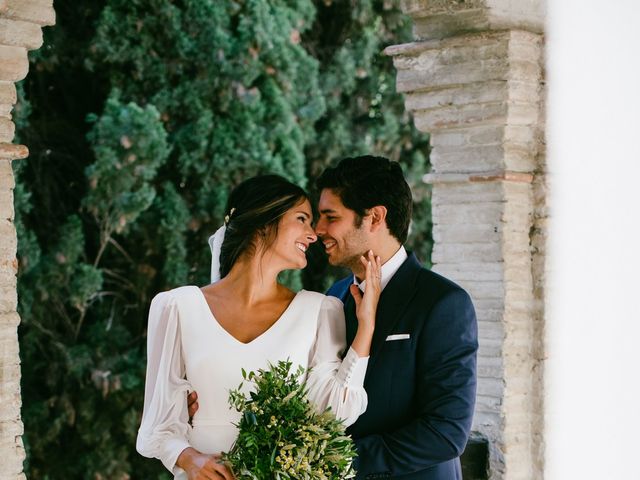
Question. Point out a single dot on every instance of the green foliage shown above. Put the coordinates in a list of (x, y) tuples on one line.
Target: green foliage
[(140, 116), (281, 435)]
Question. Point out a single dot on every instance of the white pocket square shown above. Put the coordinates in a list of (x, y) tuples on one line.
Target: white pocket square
[(398, 336)]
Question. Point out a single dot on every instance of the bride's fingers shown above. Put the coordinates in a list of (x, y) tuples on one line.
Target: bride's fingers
[(364, 261), (223, 471), (356, 294), (373, 270)]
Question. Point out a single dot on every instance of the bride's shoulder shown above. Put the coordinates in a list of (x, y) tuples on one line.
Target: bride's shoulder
[(176, 295), (326, 302)]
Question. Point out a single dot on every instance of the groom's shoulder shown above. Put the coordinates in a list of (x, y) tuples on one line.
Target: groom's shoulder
[(339, 288), (433, 284)]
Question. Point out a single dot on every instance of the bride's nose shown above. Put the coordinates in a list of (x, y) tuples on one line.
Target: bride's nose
[(311, 236)]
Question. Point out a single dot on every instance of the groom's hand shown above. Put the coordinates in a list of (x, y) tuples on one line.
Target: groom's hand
[(192, 404)]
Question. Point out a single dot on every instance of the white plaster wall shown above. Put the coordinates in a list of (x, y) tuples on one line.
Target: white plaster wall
[(593, 322)]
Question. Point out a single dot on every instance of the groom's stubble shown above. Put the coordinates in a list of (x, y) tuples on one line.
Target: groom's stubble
[(351, 248)]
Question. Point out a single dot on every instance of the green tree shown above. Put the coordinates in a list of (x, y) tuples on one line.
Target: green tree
[(140, 115)]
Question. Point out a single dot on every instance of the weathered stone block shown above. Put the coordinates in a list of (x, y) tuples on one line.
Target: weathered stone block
[(488, 330), (471, 271), (484, 289), (20, 34), (8, 299), (466, 252), (466, 193), (7, 180), (434, 76), (7, 131), (490, 367), (40, 12), (485, 414), (466, 233), (6, 204), (9, 320), (470, 93), (478, 213), (523, 114), (461, 116), (14, 64), (444, 18), (491, 387), (489, 315), (490, 348), (474, 158), (8, 94), (10, 151)]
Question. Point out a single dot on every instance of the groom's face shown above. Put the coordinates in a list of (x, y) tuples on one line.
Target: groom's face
[(341, 231)]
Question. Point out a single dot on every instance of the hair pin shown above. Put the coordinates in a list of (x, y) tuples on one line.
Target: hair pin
[(227, 218)]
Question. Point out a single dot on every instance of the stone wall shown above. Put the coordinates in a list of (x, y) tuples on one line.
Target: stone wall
[(20, 31), (474, 80)]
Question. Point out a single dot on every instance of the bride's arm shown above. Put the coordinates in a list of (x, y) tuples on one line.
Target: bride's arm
[(337, 383), (163, 430)]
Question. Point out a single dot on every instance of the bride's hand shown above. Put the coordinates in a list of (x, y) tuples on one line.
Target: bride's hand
[(367, 304), (202, 466)]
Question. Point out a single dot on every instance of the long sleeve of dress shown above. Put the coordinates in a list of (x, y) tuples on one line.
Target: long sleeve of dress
[(335, 382), (163, 431)]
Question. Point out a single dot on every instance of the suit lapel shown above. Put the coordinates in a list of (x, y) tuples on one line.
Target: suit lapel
[(394, 300)]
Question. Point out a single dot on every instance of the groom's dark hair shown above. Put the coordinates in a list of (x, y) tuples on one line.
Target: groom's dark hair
[(253, 212), (366, 181)]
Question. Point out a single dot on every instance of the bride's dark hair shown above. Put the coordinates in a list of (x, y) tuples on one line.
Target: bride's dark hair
[(254, 210)]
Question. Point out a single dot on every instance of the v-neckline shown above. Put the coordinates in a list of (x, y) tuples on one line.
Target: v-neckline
[(234, 339)]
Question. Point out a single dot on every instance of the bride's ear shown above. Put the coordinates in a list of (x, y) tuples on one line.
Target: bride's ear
[(260, 238)]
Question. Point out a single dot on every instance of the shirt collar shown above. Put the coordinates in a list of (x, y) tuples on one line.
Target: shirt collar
[(388, 270)]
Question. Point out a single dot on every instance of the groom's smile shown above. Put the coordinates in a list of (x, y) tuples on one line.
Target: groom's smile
[(343, 239), (328, 245)]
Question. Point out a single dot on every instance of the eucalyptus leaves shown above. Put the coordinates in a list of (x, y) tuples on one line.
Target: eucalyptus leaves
[(282, 436)]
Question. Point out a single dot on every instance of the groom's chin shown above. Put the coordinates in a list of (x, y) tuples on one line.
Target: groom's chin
[(333, 260)]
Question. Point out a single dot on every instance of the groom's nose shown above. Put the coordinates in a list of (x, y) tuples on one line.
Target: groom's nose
[(320, 228)]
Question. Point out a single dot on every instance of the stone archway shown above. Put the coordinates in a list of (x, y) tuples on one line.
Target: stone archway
[(474, 80), (21, 23)]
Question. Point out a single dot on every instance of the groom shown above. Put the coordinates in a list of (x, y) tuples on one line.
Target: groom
[(421, 378)]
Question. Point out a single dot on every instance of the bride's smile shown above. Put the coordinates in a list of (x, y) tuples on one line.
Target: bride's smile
[(294, 235)]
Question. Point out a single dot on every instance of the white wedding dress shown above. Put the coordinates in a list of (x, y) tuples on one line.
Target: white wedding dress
[(188, 350)]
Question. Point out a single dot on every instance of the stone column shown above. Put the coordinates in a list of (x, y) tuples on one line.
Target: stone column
[(473, 79), (20, 31)]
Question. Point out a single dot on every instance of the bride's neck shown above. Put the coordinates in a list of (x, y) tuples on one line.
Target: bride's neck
[(252, 280)]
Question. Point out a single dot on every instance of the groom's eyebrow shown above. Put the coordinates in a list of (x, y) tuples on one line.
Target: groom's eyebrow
[(327, 210)]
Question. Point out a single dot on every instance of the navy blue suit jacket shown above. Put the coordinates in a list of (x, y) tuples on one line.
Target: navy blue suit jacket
[(421, 390)]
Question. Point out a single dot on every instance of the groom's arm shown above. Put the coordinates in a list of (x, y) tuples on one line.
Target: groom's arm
[(445, 393)]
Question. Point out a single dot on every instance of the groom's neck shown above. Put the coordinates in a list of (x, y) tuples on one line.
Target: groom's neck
[(384, 249)]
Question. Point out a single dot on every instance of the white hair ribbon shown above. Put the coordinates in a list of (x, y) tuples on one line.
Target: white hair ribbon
[(215, 242)]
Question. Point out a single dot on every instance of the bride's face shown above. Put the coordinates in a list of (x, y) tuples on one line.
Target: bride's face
[(295, 234)]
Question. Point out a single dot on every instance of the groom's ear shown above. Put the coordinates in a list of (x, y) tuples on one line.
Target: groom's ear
[(378, 216)]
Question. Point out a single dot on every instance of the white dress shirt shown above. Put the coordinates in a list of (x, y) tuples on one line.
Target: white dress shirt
[(388, 270)]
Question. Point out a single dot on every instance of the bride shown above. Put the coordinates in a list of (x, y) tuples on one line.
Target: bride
[(199, 339)]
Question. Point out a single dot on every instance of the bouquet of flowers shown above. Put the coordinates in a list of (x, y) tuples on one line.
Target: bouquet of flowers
[(282, 436)]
